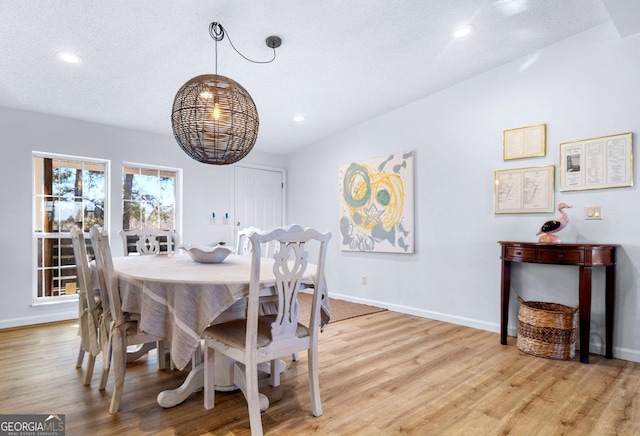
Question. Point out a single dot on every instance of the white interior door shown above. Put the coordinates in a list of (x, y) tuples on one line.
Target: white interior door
[(258, 198)]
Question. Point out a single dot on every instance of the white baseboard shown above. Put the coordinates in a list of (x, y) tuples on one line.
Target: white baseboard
[(468, 322), (39, 319)]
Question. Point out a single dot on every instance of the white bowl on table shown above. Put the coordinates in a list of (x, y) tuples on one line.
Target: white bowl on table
[(203, 254)]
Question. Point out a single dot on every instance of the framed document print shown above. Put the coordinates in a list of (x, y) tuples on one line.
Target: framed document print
[(524, 190), (524, 142), (596, 163)]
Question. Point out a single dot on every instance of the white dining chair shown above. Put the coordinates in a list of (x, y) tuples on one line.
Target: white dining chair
[(148, 241), (242, 240), (243, 248), (123, 329), (266, 338), (89, 303)]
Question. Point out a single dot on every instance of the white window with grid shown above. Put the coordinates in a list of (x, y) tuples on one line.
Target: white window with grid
[(67, 191), (149, 197)]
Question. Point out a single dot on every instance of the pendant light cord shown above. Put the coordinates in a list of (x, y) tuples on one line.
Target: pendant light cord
[(217, 32)]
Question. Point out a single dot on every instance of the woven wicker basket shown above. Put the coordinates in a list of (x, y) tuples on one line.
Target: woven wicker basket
[(547, 329)]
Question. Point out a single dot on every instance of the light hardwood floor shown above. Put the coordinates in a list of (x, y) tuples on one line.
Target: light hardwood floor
[(381, 374)]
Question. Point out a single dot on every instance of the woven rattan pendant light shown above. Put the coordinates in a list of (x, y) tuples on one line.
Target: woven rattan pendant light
[(214, 119)]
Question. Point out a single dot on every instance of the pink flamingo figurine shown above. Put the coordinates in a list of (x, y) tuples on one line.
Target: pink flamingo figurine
[(554, 226)]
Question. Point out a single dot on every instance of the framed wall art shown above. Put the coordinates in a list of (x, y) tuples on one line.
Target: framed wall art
[(597, 163), (530, 141), (376, 204), (524, 190)]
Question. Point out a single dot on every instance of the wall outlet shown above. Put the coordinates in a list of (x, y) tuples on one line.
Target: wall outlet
[(364, 280)]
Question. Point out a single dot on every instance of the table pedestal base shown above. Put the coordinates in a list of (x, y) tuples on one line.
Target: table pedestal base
[(228, 378)]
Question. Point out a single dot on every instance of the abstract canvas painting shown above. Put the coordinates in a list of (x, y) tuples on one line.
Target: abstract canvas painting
[(376, 204)]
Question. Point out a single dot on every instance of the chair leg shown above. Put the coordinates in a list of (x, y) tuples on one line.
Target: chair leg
[(314, 382), (105, 369), (253, 398), (89, 374), (80, 357), (115, 398), (209, 376), (275, 373), (119, 367), (103, 379), (295, 357), (197, 357), (161, 356)]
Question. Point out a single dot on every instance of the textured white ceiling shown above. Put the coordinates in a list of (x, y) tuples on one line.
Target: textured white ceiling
[(340, 63)]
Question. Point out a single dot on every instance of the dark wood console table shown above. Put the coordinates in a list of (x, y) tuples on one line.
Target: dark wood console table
[(584, 256)]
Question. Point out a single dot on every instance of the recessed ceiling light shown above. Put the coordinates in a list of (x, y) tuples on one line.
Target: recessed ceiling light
[(509, 8), (298, 118), (462, 31), (69, 57)]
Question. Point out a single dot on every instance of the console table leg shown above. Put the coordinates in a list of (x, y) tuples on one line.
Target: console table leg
[(610, 287), (584, 303), (504, 300)]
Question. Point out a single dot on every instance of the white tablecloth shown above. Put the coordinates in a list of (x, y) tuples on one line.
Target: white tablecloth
[(178, 298)]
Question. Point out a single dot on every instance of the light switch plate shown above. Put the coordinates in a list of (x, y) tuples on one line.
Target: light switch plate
[(593, 212)]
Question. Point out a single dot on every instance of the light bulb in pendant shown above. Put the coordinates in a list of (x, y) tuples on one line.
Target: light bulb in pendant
[(217, 112)]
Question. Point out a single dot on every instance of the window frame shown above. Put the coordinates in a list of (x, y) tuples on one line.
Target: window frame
[(178, 189), (40, 235)]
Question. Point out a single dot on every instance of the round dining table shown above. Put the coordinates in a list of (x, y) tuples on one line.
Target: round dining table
[(177, 298)]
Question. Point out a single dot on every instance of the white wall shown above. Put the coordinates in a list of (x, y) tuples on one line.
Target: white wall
[(586, 86), (206, 188)]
